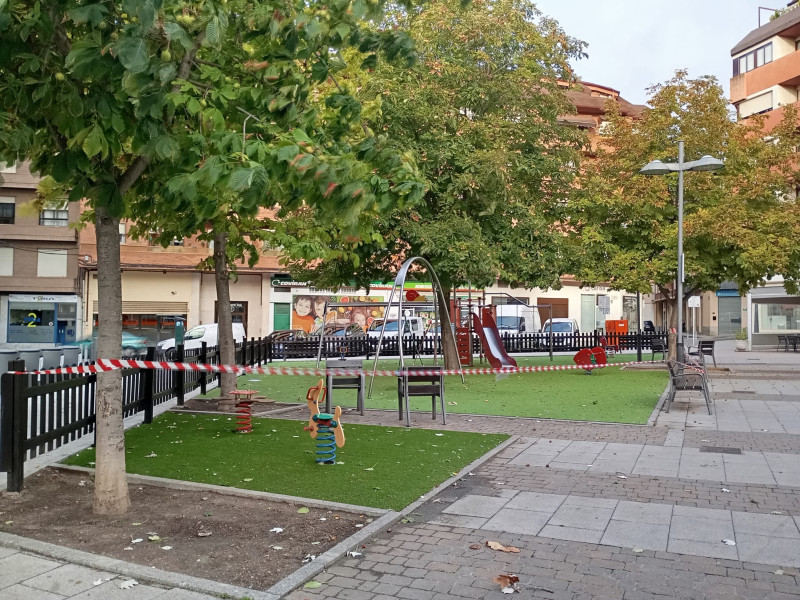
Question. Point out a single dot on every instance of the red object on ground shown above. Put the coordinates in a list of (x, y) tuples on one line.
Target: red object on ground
[(583, 357), (600, 357), (244, 413)]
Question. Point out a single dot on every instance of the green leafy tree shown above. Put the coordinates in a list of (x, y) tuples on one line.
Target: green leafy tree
[(740, 224), (480, 112), (181, 113)]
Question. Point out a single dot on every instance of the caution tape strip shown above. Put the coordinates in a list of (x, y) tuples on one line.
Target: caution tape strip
[(107, 364)]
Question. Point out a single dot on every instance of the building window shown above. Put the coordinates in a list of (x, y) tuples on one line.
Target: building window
[(7, 210), (752, 60), (52, 263), (122, 234), (6, 261), (238, 312), (55, 215)]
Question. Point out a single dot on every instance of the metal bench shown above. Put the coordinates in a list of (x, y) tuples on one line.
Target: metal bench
[(345, 382), (410, 385), (658, 346), (683, 379)]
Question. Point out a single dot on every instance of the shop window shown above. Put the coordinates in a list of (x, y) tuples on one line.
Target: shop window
[(238, 312), (52, 263), (6, 261), (777, 318), (31, 322), (7, 210)]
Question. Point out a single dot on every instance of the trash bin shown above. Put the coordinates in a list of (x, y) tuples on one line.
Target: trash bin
[(31, 358), (71, 354), (6, 356), (51, 358)]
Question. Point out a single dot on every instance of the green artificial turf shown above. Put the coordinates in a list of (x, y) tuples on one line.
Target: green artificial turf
[(382, 467), (609, 395)]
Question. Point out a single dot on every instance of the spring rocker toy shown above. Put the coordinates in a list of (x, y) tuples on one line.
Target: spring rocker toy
[(326, 428), (595, 356)]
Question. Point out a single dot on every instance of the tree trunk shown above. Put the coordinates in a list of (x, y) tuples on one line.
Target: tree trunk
[(449, 350), (227, 348), (672, 322), (111, 484)]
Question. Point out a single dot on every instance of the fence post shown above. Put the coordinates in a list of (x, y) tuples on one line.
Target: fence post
[(180, 378), (15, 401), (148, 380), (203, 360), (252, 351), (639, 345)]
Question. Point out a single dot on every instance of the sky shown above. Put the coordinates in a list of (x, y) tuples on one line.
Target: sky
[(633, 44)]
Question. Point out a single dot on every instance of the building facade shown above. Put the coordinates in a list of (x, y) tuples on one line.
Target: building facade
[(40, 304), (766, 79)]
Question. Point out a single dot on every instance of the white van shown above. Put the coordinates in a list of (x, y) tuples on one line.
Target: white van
[(411, 326), (194, 338), (517, 318)]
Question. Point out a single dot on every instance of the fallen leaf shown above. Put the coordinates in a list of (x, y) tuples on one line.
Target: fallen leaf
[(622, 476), (778, 572), (9, 523), (507, 581), (729, 542), (151, 455), (312, 585), (81, 483), (776, 512), (97, 582), (315, 543), (277, 547), (166, 547), (128, 548), (638, 550), (276, 530), (248, 479), (354, 554), (126, 585), (438, 434), (303, 510), (154, 538), (499, 546), (309, 558), (203, 533), (406, 520), (475, 546), (726, 491), (135, 524), (136, 541)]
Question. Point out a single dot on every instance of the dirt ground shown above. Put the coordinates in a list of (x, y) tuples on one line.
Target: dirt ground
[(199, 533)]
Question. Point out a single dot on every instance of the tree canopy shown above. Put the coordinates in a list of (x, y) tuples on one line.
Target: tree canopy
[(740, 224), (190, 115), (480, 113)]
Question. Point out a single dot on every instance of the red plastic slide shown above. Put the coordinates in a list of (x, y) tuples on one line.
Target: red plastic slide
[(492, 343)]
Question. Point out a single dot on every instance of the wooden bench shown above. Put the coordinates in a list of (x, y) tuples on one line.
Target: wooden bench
[(345, 382), (410, 385)]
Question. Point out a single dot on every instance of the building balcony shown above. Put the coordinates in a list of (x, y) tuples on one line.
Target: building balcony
[(782, 71)]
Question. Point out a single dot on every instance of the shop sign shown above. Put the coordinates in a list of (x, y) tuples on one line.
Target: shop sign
[(42, 298), (287, 282)]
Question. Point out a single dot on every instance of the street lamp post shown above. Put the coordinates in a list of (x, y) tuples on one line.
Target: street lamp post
[(656, 167)]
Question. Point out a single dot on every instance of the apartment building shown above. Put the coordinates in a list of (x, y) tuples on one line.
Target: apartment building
[(40, 303), (766, 79), (161, 286)]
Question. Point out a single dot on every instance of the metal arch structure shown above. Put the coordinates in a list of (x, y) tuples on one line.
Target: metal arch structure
[(399, 282)]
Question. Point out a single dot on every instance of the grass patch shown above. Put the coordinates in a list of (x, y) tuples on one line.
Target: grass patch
[(383, 467), (609, 395)]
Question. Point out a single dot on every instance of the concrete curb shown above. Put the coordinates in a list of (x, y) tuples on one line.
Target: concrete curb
[(132, 570), (178, 484)]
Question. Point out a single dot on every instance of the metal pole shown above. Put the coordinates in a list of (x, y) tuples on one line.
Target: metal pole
[(639, 326), (679, 339)]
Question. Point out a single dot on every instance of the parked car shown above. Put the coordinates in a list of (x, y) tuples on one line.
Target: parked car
[(133, 345), (280, 336), (648, 326), (194, 338), (563, 330), (411, 326)]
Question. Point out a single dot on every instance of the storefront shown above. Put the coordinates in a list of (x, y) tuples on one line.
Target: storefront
[(772, 312), (42, 319)]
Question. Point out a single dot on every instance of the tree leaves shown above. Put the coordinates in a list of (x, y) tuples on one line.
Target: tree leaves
[(133, 54)]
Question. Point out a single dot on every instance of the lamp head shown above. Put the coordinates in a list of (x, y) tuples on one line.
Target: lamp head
[(656, 167), (707, 163)]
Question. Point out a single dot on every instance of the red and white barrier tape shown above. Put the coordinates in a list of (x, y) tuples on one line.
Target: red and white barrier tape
[(105, 364)]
